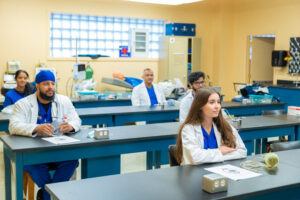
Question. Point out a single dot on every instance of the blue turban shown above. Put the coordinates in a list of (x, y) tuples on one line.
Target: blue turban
[(44, 75)]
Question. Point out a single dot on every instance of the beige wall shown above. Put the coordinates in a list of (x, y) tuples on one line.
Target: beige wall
[(24, 34), (223, 40), (234, 21), (224, 26), (257, 17)]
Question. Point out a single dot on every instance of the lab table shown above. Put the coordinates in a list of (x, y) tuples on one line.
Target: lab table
[(255, 128), (286, 93), (127, 114), (119, 115), (100, 103), (4, 121), (102, 157), (103, 102), (185, 182), (239, 109), (99, 157)]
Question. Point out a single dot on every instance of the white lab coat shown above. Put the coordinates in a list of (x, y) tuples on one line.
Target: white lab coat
[(140, 96), (193, 152), (185, 105), (24, 117)]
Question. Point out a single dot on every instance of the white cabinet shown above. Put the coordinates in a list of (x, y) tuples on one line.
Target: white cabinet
[(179, 56), (139, 43)]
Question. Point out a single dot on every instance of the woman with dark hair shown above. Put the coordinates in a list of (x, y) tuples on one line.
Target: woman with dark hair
[(206, 136), (22, 90)]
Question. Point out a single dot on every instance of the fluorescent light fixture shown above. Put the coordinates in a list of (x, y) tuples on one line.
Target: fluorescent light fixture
[(166, 2)]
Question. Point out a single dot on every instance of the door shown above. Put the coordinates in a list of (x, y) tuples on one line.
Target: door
[(178, 58), (261, 58)]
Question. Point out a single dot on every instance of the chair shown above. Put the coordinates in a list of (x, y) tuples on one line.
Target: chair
[(28, 184), (172, 158), (273, 112), (283, 146)]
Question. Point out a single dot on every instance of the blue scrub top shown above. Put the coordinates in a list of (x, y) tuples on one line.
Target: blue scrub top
[(209, 141), (12, 96), (152, 95), (43, 116)]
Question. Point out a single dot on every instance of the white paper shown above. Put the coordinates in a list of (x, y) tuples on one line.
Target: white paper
[(233, 172), (60, 139)]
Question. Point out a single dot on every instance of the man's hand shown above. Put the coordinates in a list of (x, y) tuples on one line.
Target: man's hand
[(65, 127), (44, 129), (225, 149)]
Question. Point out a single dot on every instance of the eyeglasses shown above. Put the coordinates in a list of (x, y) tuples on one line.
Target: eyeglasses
[(199, 82)]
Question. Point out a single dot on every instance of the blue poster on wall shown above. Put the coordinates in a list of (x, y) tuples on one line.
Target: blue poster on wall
[(124, 52)]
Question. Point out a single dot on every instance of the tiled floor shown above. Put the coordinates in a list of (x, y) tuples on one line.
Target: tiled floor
[(129, 163)]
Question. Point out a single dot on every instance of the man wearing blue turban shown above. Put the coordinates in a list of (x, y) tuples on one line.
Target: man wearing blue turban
[(34, 116)]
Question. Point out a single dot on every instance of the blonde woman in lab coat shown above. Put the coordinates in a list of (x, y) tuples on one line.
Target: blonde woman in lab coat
[(205, 136), (147, 93)]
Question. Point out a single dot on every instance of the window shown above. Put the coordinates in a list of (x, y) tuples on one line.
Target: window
[(98, 34)]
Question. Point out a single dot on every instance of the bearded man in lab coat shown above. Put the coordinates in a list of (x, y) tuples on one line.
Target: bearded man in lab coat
[(196, 80), (147, 93), (33, 116)]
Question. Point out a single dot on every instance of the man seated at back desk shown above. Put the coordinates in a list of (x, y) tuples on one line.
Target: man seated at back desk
[(196, 80), (147, 93), (33, 115)]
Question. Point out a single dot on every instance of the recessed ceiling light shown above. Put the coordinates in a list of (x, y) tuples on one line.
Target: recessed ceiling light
[(166, 2)]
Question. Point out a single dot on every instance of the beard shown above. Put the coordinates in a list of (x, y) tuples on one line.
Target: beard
[(46, 97), (194, 89)]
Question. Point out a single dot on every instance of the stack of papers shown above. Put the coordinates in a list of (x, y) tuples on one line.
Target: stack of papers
[(60, 139), (233, 172)]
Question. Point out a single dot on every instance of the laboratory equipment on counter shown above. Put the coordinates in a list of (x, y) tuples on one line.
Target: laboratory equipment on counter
[(13, 66), (170, 88), (9, 76), (83, 76), (87, 95), (9, 81), (116, 82), (79, 71), (88, 72)]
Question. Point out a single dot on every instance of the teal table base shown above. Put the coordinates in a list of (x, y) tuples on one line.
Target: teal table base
[(253, 109), (284, 193), (102, 103), (120, 120), (4, 125), (94, 120), (290, 96)]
